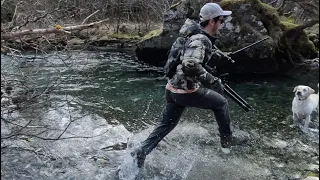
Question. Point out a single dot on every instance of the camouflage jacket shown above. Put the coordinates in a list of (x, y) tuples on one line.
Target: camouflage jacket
[(191, 74)]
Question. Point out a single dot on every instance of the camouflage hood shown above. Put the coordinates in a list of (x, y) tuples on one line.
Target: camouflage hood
[(191, 27)]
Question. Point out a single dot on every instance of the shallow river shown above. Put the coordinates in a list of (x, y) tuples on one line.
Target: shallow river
[(107, 98)]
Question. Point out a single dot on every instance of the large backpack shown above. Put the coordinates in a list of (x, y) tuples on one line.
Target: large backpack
[(177, 49), (173, 61)]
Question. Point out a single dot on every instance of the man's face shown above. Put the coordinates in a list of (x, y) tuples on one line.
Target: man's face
[(216, 25)]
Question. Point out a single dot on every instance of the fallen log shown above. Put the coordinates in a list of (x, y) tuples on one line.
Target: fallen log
[(57, 29)]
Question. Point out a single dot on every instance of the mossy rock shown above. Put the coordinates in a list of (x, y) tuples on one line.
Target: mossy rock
[(152, 33), (312, 174), (312, 37), (275, 25), (306, 46), (285, 25), (250, 21), (265, 13), (174, 6), (125, 36), (76, 41)]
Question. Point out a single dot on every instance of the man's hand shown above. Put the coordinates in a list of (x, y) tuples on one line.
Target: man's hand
[(217, 84), (220, 86), (223, 55), (226, 55)]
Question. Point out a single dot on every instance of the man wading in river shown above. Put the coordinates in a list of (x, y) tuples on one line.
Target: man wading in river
[(183, 88)]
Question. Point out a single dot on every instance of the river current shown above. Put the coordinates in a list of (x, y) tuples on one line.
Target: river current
[(107, 99)]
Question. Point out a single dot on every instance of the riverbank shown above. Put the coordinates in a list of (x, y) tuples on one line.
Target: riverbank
[(104, 36), (108, 37)]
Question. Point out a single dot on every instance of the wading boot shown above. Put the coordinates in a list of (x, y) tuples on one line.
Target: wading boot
[(228, 141), (139, 156)]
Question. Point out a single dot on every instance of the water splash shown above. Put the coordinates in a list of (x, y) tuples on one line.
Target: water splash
[(129, 170), (189, 152)]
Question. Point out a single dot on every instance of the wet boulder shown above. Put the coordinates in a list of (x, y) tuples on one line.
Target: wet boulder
[(252, 20), (153, 48)]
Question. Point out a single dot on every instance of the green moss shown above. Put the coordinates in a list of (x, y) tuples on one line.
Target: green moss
[(312, 174), (151, 34), (268, 14), (307, 47), (124, 36), (227, 3), (174, 6), (289, 19), (270, 18), (269, 9), (275, 24), (312, 37), (257, 3), (285, 25)]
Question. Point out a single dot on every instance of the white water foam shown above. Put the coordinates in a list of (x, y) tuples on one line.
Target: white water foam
[(129, 170)]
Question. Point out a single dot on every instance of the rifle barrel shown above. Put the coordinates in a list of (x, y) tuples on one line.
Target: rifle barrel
[(227, 92), (249, 46), (236, 95)]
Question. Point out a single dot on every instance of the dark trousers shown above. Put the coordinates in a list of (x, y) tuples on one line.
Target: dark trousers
[(175, 105)]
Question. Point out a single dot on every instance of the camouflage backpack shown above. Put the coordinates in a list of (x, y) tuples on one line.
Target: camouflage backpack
[(173, 61)]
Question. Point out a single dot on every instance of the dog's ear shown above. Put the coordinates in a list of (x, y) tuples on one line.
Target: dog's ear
[(310, 90), (295, 89)]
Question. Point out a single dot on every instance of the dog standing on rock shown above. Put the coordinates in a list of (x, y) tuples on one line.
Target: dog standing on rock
[(303, 104)]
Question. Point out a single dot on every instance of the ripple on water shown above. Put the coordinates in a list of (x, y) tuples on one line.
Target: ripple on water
[(116, 98)]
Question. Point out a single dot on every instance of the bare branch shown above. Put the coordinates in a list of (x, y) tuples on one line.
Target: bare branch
[(89, 17), (303, 26), (16, 34), (70, 121), (55, 139), (14, 14), (36, 19), (272, 2)]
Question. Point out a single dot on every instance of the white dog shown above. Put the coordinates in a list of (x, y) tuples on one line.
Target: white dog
[(303, 104)]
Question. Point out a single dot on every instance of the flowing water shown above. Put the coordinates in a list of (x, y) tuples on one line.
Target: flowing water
[(107, 99)]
